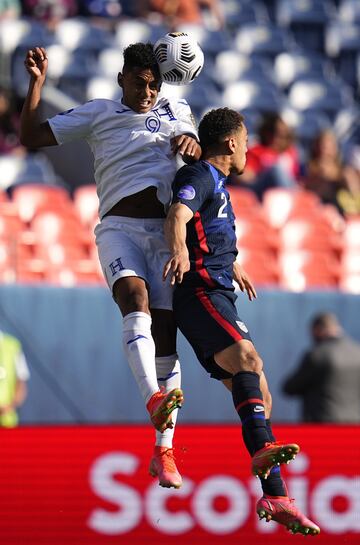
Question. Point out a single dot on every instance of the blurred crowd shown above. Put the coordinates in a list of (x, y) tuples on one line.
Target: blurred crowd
[(276, 157)]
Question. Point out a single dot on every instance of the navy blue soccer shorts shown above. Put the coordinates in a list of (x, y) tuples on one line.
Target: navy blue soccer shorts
[(208, 319)]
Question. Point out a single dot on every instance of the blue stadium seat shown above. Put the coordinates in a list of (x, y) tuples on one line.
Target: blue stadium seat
[(306, 20), (349, 11), (290, 66), (110, 62), (102, 87), (231, 65), (342, 43), (261, 39), (317, 94), (78, 33), (252, 95), (130, 31), (247, 11)]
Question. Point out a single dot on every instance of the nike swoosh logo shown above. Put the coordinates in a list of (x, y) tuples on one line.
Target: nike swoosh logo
[(136, 339), (168, 376), (259, 409)]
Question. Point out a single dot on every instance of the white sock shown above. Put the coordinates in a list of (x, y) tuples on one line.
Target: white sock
[(139, 349), (169, 375)]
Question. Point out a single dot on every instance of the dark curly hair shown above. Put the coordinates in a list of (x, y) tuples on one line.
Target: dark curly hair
[(216, 124), (141, 55)]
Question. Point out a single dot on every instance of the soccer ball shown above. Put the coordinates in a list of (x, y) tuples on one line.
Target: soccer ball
[(179, 57)]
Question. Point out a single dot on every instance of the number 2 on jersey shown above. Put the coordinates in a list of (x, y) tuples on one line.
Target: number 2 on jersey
[(221, 213)]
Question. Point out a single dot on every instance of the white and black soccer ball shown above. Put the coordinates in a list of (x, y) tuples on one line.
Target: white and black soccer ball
[(180, 58)]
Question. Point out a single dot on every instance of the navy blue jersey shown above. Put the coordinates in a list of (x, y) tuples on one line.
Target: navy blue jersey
[(210, 236)]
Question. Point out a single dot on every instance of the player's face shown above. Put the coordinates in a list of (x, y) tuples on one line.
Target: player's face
[(239, 155), (140, 89)]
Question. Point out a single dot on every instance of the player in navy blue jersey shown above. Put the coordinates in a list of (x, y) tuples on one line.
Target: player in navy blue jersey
[(201, 234)]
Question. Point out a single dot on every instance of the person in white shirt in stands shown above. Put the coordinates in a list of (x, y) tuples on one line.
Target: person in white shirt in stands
[(135, 142)]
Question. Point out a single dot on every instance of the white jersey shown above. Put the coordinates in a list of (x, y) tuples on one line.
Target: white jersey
[(131, 150)]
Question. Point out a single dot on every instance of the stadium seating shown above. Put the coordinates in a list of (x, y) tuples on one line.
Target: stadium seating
[(306, 20), (280, 204), (86, 203), (298, 59), (32, 198)]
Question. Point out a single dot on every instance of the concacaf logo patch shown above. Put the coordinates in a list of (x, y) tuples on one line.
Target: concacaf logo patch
[(187, 192)]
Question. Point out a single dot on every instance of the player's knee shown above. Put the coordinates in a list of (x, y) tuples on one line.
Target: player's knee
[(132, 299), (252, 361)]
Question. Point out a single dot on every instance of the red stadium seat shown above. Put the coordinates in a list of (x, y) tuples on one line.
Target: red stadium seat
[(351, 235), (30, 271), (86, 203), (309, 234), (31, 198), (58, 253), (256, 235), (260, 265), (74, 273), (304, 269), (280, 204), (50, 227), (350, 282), (244, 202)]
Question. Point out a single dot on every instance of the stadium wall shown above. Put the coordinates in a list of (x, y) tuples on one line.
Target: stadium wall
[(72, 341)]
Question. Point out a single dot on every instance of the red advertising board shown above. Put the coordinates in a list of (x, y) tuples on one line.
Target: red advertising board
[(74, 485)]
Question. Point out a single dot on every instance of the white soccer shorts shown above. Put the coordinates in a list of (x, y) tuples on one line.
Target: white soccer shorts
[(135, 247)]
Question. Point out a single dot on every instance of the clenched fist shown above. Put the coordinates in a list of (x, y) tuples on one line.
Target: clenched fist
[(36, 62)]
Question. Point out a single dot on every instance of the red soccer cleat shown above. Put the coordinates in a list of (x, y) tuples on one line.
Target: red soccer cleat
[(271, 455), (163, 465), (161, 405), (284, 511)]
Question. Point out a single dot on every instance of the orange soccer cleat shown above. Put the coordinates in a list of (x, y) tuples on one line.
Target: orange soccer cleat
[(163, 465), (271, 455), (161, 405), (284, 511)]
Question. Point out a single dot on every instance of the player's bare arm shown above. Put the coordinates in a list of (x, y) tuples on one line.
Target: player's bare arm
[(33, 133), (243, 281), (187, 146), (175, 232)]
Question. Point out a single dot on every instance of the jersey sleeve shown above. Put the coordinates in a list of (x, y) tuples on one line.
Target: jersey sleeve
[(191, 188), (185, 120), (73, 124)]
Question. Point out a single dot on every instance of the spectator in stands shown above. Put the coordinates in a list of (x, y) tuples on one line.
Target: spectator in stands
[(348, 196), (14, 374), (10, 9), (9, 124), (273, 161), (178, 12), (324, 172), (50, 12), (327, 379)]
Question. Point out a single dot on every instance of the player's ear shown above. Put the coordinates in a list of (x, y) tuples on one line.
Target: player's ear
[(120, 79), (231, 143)]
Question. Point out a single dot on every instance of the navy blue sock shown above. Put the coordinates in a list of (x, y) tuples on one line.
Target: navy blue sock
[(273, 485), (249, 405)]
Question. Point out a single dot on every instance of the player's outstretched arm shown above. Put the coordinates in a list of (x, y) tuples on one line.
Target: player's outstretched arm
[(175, 232), (33, 133)]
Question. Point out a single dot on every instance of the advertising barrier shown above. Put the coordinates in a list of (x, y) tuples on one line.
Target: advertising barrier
[(73, 485)]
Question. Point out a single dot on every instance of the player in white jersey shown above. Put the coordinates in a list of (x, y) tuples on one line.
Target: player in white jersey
[(134, 142)]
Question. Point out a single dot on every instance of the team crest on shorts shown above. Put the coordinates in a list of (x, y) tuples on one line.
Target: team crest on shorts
[(242, 326)]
